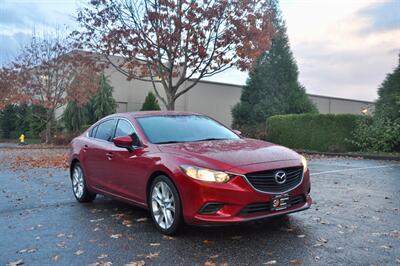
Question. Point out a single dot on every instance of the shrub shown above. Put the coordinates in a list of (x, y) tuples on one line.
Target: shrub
[(318, 132), (379, 135), (150, 103)]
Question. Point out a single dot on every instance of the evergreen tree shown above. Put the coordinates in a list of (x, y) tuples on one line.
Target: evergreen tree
[(150, 103), (103, 103), (8, 121), (75, 117), (388, 104), (272, 87)]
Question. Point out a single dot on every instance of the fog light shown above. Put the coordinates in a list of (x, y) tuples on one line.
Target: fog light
[(211, 208)]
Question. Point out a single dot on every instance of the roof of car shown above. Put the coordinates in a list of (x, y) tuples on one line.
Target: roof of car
[(161, 113)]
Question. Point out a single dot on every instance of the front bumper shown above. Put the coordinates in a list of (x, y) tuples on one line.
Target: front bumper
[(234, 197)]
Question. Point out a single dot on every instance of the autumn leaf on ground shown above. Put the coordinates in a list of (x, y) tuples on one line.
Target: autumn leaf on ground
[(55, 257), (116, 236), (209, 263), (152, 255), (60, 235), (213, 257), (136, 263), (27, 250), (301, 236), (127, 223), (15, 263), (323, 240), (169, 238), (386, 247), (144, 219), (271, 262), (295, 262), (79, 252), (207, 242), (154, 244), (97, 220), (102, 256)]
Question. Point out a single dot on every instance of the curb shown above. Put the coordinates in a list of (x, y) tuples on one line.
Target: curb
[(353, 155)]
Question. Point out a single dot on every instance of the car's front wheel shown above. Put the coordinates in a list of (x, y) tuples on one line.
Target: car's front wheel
[(165, 205), (79, 188)]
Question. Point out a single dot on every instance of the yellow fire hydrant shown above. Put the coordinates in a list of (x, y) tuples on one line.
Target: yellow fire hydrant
[(22, 139)]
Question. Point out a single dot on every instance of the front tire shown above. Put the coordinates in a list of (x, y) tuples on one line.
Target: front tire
[(79, 188), (165, 205)]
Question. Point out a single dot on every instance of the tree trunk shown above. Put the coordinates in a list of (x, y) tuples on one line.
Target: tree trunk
[(170, 101), (49, 123)]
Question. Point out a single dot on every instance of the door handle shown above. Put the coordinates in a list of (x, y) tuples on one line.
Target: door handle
[(109, 155)]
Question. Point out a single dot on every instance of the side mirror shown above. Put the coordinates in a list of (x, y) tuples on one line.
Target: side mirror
[(127, 142), (237, 132)]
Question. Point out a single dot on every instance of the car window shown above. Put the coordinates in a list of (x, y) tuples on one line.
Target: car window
[(105, 130), (183, 128), (124, 128)]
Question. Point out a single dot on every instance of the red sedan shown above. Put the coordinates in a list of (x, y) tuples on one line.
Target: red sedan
[(186, 167)]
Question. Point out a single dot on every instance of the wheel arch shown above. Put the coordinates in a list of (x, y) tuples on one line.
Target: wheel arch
[(71, 167), (151, 179)]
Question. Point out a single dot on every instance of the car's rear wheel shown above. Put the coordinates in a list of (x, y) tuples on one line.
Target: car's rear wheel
[(79, 188), (165, 205)]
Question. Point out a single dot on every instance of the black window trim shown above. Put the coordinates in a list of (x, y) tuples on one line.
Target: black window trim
[(115, 127), (123, 118)]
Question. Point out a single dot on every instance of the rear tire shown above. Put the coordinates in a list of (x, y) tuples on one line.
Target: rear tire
[(165, 206), (79, 188)]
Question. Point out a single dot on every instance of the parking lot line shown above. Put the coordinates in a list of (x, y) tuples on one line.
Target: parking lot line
[(355, 169)]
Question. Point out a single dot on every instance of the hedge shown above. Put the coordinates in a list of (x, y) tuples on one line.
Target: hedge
[(316, 132)]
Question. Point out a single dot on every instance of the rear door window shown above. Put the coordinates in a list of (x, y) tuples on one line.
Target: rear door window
[(105, 130)]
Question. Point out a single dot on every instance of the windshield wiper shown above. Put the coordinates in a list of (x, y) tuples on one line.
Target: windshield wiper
[(168, 142), (208, 139)]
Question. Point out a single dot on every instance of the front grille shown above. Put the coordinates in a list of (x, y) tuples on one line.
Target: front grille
[(266, 205), (265, 180)]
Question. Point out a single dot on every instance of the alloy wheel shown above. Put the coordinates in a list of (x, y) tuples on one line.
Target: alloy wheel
[(163, 205), (77, 182)]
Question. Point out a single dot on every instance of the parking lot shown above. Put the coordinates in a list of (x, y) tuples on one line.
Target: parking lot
[(355, 220)]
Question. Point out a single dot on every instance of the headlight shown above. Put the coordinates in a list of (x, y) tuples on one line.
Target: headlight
[(304, 163), (204, 174)]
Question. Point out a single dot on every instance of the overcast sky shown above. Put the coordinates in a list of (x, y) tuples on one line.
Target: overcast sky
[(343, 48)]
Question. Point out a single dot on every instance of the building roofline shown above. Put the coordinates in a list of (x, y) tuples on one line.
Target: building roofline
[(309, 94)]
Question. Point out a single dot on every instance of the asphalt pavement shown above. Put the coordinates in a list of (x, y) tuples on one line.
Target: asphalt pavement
[(355, 220)]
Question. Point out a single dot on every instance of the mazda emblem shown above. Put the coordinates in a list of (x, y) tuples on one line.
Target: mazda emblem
[(280, 177)]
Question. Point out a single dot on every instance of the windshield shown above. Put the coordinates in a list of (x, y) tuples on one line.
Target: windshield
[(183, 128)]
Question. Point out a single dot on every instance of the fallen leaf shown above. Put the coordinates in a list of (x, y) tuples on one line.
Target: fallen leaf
[(207, 242), (116, 236), (102, 256), (144, 219), (152, 255), (154, 244), (323, 240), (295, 262), (169, 237), (209, 263), (213, 257), (60, 235), (317, 258), (55, 257), (79, 252), (301, 236), (271, 262), (136, 263), (97, 220), (386, 247), (15, 263)]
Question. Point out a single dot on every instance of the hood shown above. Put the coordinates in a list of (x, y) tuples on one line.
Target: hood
[(232, 153)]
